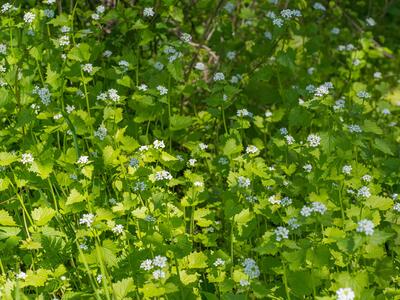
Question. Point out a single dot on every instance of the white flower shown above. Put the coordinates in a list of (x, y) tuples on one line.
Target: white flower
[(268, 35), (203, 146), (396, 207), (143, 87), (243, 182), (43, 93), (29, 17), (364, 192), (345, 294), (163, 175), (83, 160), (57, 116), (283, 131), (251, 149), (3, 49), (83, 247), (366, 226), (99, 278), (281, 233), (107, 53), (186, 37), (293, 223), (198, 184), (27, 158), (160, 261), (310, 88), (243, 113), (268, 114), (274, 200), (101, 132), (289, 139), (6, 7), (306, 211), (63, 40), (118, 229), (162, 90), (87, 219), (231, 55), (21, 275), (143, 148), (286, 201), (223, 161), (323, 89), (95, 16), (313, 140), (251, 199), (100, 9), (290, 13), (347, 169), (70, 108), (159, 66), (219, 76), (363, 95), (192, 162), (229, 7), (147, 265), (200, 66), (356, 62), (219, 262), (335, 30), (366, 178), (319, 6), (250, 268), (277, 22), (158, 274), (113, 95), (123, 64), (140, 186), (158, 144), (65, 29), (318, 207), (370, 22), (307, 168), (49, 13), (385, 111), (354, 128), (378, 75), (148, 12), (339, 104), (244, 282), (88, 68)]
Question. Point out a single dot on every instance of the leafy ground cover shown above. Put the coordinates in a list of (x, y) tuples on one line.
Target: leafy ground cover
[(199, 150)]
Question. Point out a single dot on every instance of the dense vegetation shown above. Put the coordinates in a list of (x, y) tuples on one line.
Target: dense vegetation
[(202, 149)]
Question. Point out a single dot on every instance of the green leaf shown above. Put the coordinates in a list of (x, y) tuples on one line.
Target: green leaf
[(6, 232), (7, 158), (231, 147), (74, 197), (43, 215), (180, 122), (80, 53), (52, 78), (123, 287), (378, 202), (370, 126), (36, 279), (42, 169), (196, 260), (176, 70), (125, 81), (6, 219), (383, 146)]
